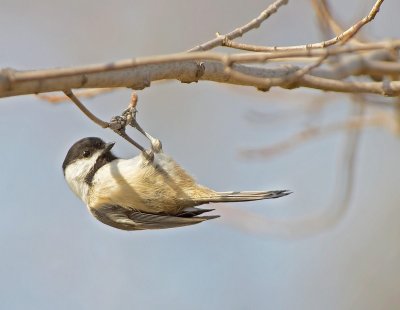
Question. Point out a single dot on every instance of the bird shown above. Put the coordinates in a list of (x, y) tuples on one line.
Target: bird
[(148, 191)]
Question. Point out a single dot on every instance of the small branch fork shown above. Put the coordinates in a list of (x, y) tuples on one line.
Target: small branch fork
[(118, 124), (239, 32), (343, 37)]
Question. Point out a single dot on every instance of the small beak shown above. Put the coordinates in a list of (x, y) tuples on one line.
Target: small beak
[(108, 147)]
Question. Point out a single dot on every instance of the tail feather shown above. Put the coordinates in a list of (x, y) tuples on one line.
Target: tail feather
[(243, 196)]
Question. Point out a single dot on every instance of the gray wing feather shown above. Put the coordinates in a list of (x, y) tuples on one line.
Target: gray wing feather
[(122, 218)]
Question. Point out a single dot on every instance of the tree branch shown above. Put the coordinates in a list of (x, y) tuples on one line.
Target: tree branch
[(343, 37), (228, 68), (140, 72), (84, 110), (255, 23)]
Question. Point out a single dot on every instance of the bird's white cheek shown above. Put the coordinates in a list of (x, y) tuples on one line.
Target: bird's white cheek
[(75, 176)]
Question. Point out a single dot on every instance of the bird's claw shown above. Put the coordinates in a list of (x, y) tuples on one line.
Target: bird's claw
[(117, 123), (128, 117)]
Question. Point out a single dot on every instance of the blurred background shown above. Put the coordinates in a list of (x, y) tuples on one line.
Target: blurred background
[(333, 244)]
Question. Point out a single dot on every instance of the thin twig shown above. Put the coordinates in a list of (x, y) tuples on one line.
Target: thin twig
[(343, 37), (295, 76), (238, 32), (119, 130), (85, 111), (326, 19), (349, 33)]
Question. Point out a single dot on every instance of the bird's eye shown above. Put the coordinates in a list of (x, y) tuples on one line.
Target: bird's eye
[(86, 153)]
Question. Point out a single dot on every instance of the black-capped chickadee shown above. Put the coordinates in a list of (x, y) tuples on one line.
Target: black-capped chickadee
[(141, 192)]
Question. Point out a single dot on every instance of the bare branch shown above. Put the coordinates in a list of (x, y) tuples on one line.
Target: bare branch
[(295, 76), (326, 19), (343, 37), (114, 126), (138, 73), (238, 32), (349, 33), (85, 111), (228, 68)]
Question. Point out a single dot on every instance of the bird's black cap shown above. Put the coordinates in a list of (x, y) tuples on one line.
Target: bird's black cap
[(85, 148)]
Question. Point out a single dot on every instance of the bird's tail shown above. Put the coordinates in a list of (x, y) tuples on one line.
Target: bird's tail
[(190, 215), (242, 196)]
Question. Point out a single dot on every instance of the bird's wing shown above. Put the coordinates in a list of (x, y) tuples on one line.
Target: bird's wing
[(122, 218)]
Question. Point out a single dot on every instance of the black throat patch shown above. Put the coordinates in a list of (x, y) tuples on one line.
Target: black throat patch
[(100, 162)]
